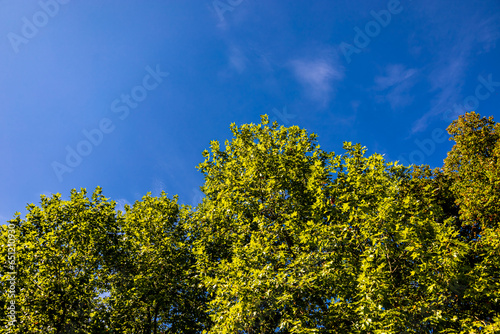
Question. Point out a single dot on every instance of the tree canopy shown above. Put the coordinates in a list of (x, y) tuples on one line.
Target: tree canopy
[(288, 238)]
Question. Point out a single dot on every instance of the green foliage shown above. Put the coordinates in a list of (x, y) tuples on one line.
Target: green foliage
[(63, 248), (473, 166), (296, 240), (288, 239), (155, 287), (83, 268)]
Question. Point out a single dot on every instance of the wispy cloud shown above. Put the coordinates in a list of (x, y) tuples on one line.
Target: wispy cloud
[(158, 186), (490, 32), (395, 74), (448, 76), (120, 204), (237, 60), (46, 193), (196, 196), (318, 77), (396, 83), (447, 83)]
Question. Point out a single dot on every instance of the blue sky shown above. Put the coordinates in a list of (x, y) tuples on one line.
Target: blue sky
[(127, 94)]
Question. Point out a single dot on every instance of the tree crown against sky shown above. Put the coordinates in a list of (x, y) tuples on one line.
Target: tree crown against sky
[(288, 239), (126, 95)]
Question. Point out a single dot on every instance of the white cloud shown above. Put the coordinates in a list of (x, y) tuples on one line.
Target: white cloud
[(237, 60), (196, 196), (158, 187), (446, 82), (318, 77), (447, 78), (395, 74), (489, 32), (397, 82), (47, 193), (120, 204)]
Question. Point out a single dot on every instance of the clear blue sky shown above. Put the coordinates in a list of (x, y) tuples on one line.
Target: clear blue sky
[(127, 94)]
